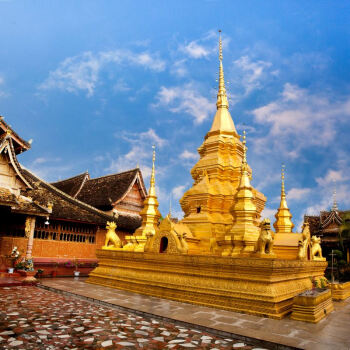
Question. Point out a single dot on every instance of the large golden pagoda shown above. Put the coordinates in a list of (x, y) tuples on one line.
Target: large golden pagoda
[(208, 203), (221, 254)]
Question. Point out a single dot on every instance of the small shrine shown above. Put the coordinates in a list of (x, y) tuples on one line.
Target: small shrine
[(222, 254)]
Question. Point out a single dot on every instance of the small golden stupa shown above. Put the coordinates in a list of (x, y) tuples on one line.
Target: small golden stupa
[(221, 254)]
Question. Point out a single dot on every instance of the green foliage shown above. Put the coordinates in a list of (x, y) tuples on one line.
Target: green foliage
[(344, 230)]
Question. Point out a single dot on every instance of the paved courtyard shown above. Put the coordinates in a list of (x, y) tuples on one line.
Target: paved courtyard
[(333, 332), (34, 318)]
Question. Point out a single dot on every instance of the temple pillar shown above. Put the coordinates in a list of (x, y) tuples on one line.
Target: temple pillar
[(29, 232)]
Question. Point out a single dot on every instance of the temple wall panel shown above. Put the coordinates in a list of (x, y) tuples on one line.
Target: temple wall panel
[(8, 176)]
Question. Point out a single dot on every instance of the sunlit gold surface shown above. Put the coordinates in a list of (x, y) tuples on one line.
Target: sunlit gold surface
[(264, 287), (208, 203), (283, 223), (150, 215)]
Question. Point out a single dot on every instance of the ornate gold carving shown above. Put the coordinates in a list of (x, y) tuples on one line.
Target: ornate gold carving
[(254, 285)]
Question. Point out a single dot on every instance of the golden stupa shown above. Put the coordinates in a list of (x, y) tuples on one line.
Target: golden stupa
[(221, 254)]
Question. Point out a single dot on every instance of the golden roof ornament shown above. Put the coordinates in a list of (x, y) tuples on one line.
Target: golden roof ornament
[(221, 101), (283, 223), (150, 214), (222, 121)]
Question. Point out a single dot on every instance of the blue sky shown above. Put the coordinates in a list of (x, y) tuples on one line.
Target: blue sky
[(96, 83)]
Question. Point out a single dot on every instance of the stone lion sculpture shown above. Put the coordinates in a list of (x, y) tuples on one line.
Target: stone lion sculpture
[(112, 237), (265, 241), (316, 250)]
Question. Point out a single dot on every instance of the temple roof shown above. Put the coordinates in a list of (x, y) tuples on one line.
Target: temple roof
[(68, 208), (19, 144), (72, 185), (319, 223), (21, 204), (102, 192)]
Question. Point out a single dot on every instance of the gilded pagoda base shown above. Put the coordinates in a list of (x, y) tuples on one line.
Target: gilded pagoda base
[(258, 286)]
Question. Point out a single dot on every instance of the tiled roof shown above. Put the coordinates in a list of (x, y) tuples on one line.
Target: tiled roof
[(73, 185), (103, 191), (69, 208), (21, 204)]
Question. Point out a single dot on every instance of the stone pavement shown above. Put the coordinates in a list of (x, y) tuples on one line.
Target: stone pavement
[(333, 332), (35, 318)]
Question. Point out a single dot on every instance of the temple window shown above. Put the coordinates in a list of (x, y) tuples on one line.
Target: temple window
[(198, 210)]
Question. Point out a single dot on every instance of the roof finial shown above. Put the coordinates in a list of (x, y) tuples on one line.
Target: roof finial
[(283, 193), (244, 161), (335, 204), (222, 97), (152, 189)]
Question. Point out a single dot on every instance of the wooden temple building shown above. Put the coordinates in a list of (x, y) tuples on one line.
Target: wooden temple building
[(326, 225), (62, 223)]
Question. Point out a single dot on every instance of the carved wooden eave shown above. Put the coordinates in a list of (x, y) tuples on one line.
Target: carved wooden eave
[(6, 147), (20, 144), (333, 217)]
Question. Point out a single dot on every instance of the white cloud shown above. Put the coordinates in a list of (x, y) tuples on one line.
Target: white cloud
[(269, 213), (140, 152), (178, 191), (298, 193), (82, 72), (252, 72), (121, 86), (195, 50), (299, 119), (185, 99), (332, 177), (179, 68), (189, 155)]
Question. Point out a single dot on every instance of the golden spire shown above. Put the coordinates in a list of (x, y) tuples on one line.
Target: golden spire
[(150, 214), (222, 121), (335, 204), (244, 230), (283, 223), (221, 101), (152, 188)]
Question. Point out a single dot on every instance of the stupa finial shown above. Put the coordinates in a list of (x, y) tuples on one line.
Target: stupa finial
[(152, 188), (221, 101), (283, 193), (335, 204), (283, 223), (244, 161)]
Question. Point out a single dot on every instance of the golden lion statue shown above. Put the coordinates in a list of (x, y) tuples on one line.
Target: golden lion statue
[(111, 236), (265, 241), (316, 250)]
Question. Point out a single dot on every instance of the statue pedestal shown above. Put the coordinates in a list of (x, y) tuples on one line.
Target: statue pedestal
[(259, 286), (340, 291), (312, 307)]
